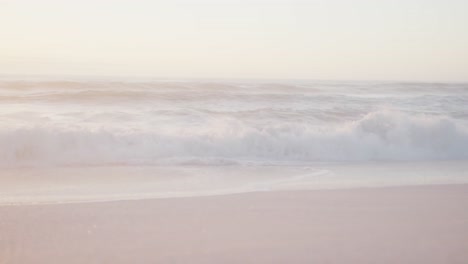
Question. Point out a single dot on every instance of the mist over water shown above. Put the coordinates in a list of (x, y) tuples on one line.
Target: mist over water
[(46, 123)]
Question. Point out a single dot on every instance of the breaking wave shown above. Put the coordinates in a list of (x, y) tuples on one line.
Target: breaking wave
[(378, 136)]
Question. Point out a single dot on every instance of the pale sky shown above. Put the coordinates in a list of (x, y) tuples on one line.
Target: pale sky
[(421, 40)]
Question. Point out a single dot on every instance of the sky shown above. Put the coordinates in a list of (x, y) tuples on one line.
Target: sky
[(420, 40)]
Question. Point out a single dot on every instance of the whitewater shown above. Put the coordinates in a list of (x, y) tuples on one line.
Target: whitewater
[(209, 127)]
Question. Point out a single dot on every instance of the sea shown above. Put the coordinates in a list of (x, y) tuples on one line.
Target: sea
[(167, 138)]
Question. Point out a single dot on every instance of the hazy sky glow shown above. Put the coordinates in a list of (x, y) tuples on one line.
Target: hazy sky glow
[(329, 39)]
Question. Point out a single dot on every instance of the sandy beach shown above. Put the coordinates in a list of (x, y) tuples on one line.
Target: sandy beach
[(423, 224)]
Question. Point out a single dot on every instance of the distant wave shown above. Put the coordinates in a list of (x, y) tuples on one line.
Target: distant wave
[(284, 86), (379, 136)]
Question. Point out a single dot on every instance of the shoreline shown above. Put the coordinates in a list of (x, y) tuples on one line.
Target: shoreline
[(151, 197), (57, 185)]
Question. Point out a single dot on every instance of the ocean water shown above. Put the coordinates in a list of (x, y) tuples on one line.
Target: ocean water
[(224, 125)]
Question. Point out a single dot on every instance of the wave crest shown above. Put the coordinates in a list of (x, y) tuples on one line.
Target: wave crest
[(382, 135)]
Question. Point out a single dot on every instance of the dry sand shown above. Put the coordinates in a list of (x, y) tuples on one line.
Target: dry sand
[(425, 224)]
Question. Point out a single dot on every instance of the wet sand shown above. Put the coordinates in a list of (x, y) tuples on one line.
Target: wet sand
[(423, 224)]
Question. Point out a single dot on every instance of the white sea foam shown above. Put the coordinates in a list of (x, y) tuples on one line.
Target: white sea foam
[(99, 123), (377, 136)]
